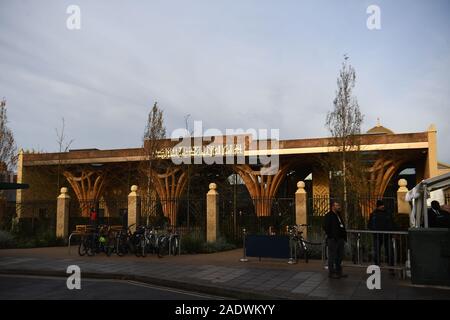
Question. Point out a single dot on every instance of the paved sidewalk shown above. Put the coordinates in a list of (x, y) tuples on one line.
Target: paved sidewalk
[(219, 274)]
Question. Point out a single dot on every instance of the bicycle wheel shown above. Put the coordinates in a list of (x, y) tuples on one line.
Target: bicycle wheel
[(109, 247), (90, 247), (90, 251), (82, 248), (163, 247), (143, 247), (137, 248), (304, 251), (121, 248), (174, 246)]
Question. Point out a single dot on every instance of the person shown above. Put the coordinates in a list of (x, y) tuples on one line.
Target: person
[(334, 228), (437, 218), (381, 220), (93, 218)]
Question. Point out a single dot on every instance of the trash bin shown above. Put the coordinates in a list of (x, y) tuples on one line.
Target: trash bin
[(430, 256)]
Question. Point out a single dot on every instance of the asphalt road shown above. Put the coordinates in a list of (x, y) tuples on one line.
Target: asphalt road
[(54, 288)]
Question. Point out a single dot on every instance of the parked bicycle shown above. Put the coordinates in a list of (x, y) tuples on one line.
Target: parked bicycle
[(96, 240), (123, 243), (299, 246), (146, 239), (168, 243)]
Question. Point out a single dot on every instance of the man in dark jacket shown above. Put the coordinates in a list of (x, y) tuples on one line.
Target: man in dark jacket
[(438, 218), (381, 220), (334, 227)]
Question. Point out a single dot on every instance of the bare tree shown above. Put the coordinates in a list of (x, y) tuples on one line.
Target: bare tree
[(344, 124), (153, 134), (8, 149), (8, 159), (63, 146)]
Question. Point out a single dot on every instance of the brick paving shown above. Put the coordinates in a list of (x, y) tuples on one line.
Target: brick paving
[(221, 272)]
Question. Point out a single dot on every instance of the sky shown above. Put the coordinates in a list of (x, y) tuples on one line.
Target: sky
[(232, 64)]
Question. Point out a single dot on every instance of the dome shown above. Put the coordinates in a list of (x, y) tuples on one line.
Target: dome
[(379, 129)]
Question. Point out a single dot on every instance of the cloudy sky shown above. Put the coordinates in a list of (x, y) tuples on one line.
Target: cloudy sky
[(232, 64)]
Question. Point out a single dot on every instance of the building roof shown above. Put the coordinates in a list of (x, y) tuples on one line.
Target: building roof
[(369, 142), (379, 129)]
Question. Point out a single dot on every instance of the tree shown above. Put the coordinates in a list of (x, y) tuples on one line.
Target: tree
[(8, 149), (63, 146), (8, 159), (344, 124), (154, 132)]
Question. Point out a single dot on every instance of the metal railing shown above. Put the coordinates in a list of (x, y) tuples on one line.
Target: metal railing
[(365, 247)]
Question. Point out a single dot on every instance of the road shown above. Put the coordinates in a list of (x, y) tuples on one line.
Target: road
[(54, 288)]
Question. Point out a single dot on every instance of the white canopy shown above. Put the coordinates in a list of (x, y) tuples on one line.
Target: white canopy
[(419, 195)]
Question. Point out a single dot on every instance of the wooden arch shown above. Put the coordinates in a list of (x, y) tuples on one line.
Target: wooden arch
[(262, 187), (88, 186)]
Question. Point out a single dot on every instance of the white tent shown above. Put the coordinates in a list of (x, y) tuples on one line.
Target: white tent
[(419, 195)]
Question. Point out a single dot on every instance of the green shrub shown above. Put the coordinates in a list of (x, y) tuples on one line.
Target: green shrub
[(6, 240), (191, 243), (48, 239), (36, 240), (220, 245)]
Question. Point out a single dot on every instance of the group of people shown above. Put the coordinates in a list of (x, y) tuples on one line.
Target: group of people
[(380, 220)]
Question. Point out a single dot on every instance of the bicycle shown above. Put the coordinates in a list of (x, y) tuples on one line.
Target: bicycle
[(123, 242), (299, 246), (140, 242), (151, 236), (162, 246), (105, 240), (174, 243), (86, 246)]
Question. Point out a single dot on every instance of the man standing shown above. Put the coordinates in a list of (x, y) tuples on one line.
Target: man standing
[(437, 218), (381, 220), (334, 228)]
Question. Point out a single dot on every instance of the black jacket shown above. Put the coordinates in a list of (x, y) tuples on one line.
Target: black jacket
[(333, 228), (381, 220), (439, 219)]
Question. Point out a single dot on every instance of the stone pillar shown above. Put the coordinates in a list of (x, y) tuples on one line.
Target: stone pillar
[(212, 213), (134, 208), (301, 205), (402, 205), (432, 163), (62, 214)]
